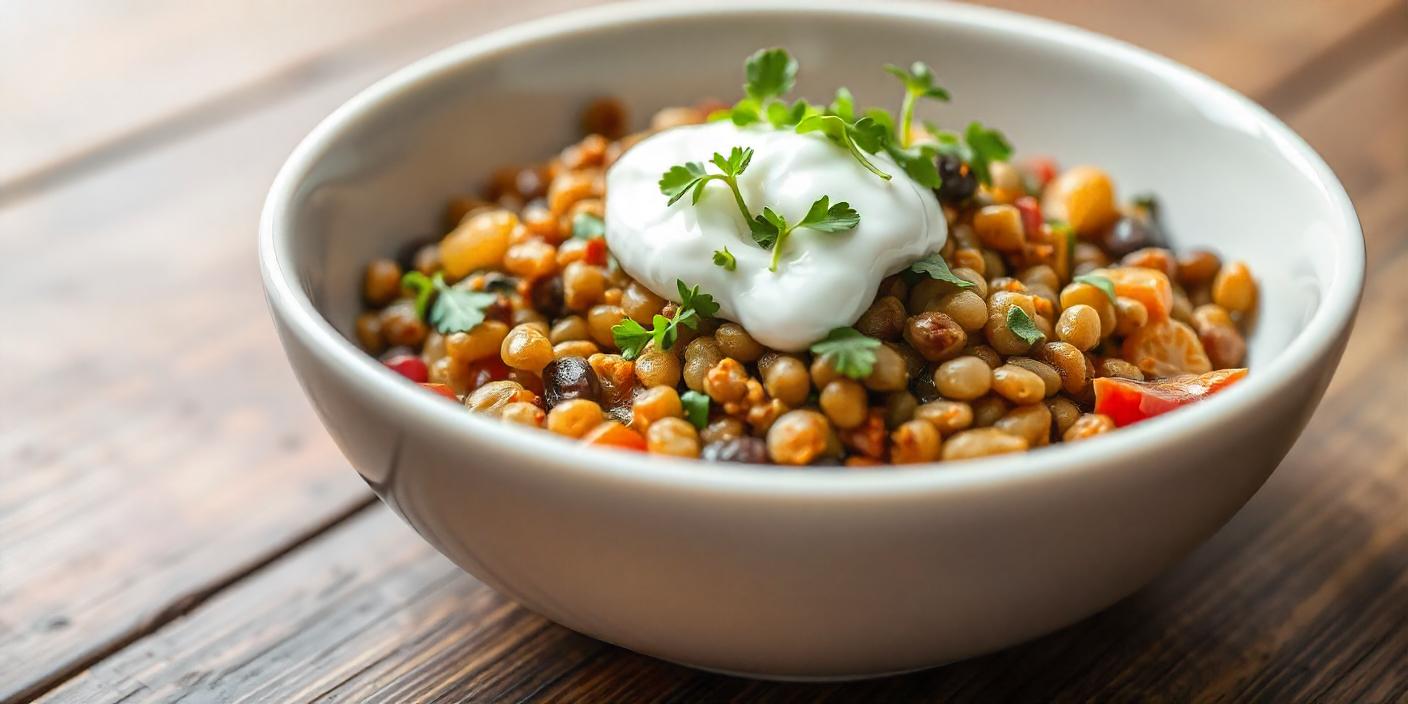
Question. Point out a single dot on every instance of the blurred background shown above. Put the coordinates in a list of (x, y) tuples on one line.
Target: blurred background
[(174, 521)]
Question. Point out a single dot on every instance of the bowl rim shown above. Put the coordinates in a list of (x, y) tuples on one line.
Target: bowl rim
[(1311, 346)]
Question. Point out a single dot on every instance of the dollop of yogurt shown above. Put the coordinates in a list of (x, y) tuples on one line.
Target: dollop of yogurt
[(824, 280)]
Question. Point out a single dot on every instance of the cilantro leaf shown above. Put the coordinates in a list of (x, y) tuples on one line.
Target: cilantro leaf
[(770, 73), (848, 351), (691, 298), (630, 337), (455, 309), (987, 146), (918, 81), (936, 268), (587, 226), (423, 288), (767, 227), (843, 105), (680, 179), (868, 134), (918, 163), (696, 408), (736, 163), (1021, 324), (724, 259), (1101, 282), (843, 134), (824, 217), (664, 331)]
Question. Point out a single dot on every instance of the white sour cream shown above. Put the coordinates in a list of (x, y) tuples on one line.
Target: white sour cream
[(824, 280)]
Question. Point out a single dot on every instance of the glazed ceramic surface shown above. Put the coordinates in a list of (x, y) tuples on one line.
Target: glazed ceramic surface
[(813, 573)]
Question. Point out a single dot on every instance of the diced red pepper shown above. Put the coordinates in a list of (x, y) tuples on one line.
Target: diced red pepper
[(1127, 401), (410, 366), (442, 390), (595, 253), (1030, 210)]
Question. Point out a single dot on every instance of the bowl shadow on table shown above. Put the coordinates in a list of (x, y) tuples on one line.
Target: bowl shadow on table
[(1214, 615)]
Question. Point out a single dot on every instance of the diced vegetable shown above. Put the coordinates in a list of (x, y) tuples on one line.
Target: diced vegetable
[(1126, 401), (443, 390), (1166, 348), (613, 434), (1148, 286), (410, 366)]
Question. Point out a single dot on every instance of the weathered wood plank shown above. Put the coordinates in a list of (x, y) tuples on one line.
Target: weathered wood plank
[(1304, 596), (153, 445)]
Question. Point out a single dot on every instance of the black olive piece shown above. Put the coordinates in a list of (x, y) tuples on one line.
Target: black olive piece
[(741, 449), (567, 378), (1132, 233), (956, 180), (548, 297)]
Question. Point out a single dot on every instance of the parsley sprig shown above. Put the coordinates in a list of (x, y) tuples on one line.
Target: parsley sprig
[(863, 135), (453, 309), (848, 352), (690, 177), (979, 146), (632, 337), (771, 230)]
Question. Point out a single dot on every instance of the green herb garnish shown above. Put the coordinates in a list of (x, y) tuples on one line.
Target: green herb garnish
[(724, 259), (936, 268), (770, 230), (587, 226), (454, 309), (1021, 324), (918, 83), (690, 177), (696, 408), (987, 146), (848, 352), (632, 337), (859, 137), (1100, 282)]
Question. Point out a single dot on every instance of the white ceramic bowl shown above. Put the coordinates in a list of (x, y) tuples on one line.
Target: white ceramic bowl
[(815, 573)]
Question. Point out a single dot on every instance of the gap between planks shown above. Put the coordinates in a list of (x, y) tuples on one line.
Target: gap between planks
[(190, 602)]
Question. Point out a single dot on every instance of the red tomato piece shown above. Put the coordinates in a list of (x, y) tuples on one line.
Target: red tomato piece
[(443, 390), (595, 252), (410, 366), (1127, 401)]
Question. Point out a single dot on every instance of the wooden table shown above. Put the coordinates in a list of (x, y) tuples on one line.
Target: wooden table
[(174, 522)]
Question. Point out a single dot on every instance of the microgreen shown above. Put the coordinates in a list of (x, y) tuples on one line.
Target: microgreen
[(696, 408), (1101, 282), (724, 259), (691, 177), (936, 268), (771, 230), (918, 83), (848, 352), (454, 309), (632, 337), (1021, 324), (587, 226), (851, 136)]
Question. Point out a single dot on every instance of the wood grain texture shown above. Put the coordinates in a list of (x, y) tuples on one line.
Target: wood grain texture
[(155, 446), (1302, 597)]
